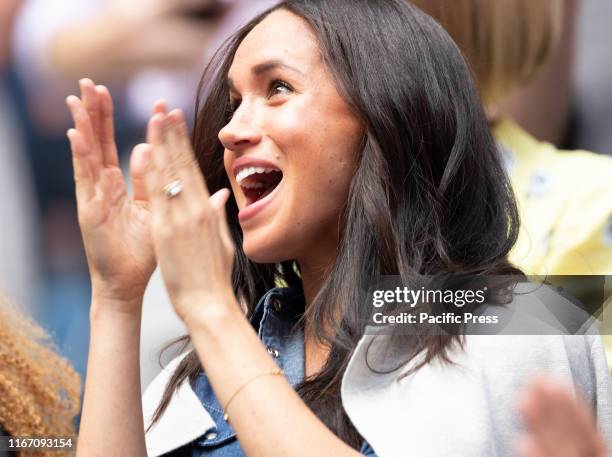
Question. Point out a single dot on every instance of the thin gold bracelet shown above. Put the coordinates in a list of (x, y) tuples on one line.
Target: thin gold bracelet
[(265, 373)]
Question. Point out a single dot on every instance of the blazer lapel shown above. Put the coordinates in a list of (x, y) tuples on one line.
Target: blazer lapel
[(184, 420)]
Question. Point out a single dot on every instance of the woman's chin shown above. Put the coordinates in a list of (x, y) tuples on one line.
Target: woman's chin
[(262, 252)]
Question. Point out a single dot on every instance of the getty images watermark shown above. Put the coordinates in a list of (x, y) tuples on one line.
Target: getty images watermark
[(407, 296), (516, 305)]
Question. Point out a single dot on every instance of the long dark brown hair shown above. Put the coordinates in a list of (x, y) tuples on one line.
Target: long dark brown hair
[(429, 195)]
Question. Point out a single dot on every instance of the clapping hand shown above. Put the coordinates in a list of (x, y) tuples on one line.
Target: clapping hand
[(125, 236), (558, 424), (115, 227), (189, 229)]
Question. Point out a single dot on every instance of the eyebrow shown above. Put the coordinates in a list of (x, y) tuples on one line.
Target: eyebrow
[(266, 67)]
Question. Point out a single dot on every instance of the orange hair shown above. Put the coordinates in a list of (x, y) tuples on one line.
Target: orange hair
[(505, 42), (40, 390)]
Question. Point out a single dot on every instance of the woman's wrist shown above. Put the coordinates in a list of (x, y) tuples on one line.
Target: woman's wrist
[(125, 309), (207, 312)]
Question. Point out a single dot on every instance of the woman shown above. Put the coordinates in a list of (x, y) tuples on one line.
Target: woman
[(349, 155), (39, 390)]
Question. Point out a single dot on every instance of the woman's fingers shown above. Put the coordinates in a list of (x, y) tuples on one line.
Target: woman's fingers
[(160, 107), (182, 154), (90, 101), (218, 200), (559, 425), (172, 161), (561, 410), (575, 426), (107, 127), (155, 180), (139, 164), (528, 447), (155, 137), (82, 173), (542, 420), (83, 125)]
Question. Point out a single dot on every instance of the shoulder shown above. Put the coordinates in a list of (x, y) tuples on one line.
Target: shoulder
[(473, 400), (583, 167), (565, 199)]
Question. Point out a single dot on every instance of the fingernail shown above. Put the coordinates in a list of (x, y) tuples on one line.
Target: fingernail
[(85, 82), (157, 117), (141, 147)]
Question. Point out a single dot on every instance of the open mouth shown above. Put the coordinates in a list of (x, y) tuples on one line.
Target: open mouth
[(258, 182)]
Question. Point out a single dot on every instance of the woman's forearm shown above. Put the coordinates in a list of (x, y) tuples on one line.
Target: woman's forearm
[(268, 416), (111, 421)]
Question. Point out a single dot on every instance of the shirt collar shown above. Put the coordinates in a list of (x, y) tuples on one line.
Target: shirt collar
[(287, 302), (186, 419), (275, 314)]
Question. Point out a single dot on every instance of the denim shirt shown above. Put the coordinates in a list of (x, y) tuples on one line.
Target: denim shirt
[(275, 319)]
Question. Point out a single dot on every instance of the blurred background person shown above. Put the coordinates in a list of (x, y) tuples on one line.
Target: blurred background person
[(39, 390), (144, 50), (8, 10), (565, 197), (18, 242), (542, 103), (569, 102), (592, 92)]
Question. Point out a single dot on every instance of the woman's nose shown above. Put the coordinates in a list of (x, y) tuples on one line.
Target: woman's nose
[(239, 134)]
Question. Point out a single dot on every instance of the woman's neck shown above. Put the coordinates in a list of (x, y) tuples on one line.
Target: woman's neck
[(315, 266), (313, 273), (315, 354)]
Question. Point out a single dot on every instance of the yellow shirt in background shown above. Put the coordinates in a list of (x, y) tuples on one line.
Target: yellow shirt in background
[(565, 203)]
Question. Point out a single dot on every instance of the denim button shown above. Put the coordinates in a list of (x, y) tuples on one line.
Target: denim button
[(277, 305), (210, 436), (273, 352)]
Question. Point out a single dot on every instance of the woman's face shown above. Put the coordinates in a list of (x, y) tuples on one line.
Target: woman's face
[(291, 145)]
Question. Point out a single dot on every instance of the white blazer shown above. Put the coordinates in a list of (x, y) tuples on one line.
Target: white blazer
[(465, 409)]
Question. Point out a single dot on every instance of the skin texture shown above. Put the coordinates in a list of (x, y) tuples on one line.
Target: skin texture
[(296, 119), (310, 133), (305, 132), (108, 214), (302, 125)]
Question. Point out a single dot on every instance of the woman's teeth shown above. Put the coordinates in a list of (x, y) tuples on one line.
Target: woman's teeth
[(250, 171)]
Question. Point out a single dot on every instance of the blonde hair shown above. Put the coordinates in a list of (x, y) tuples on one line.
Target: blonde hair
[(505, 42), (40, 390)]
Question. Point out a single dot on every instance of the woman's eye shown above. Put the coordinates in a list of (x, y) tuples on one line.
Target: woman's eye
[(232, 107), (279, 87)]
